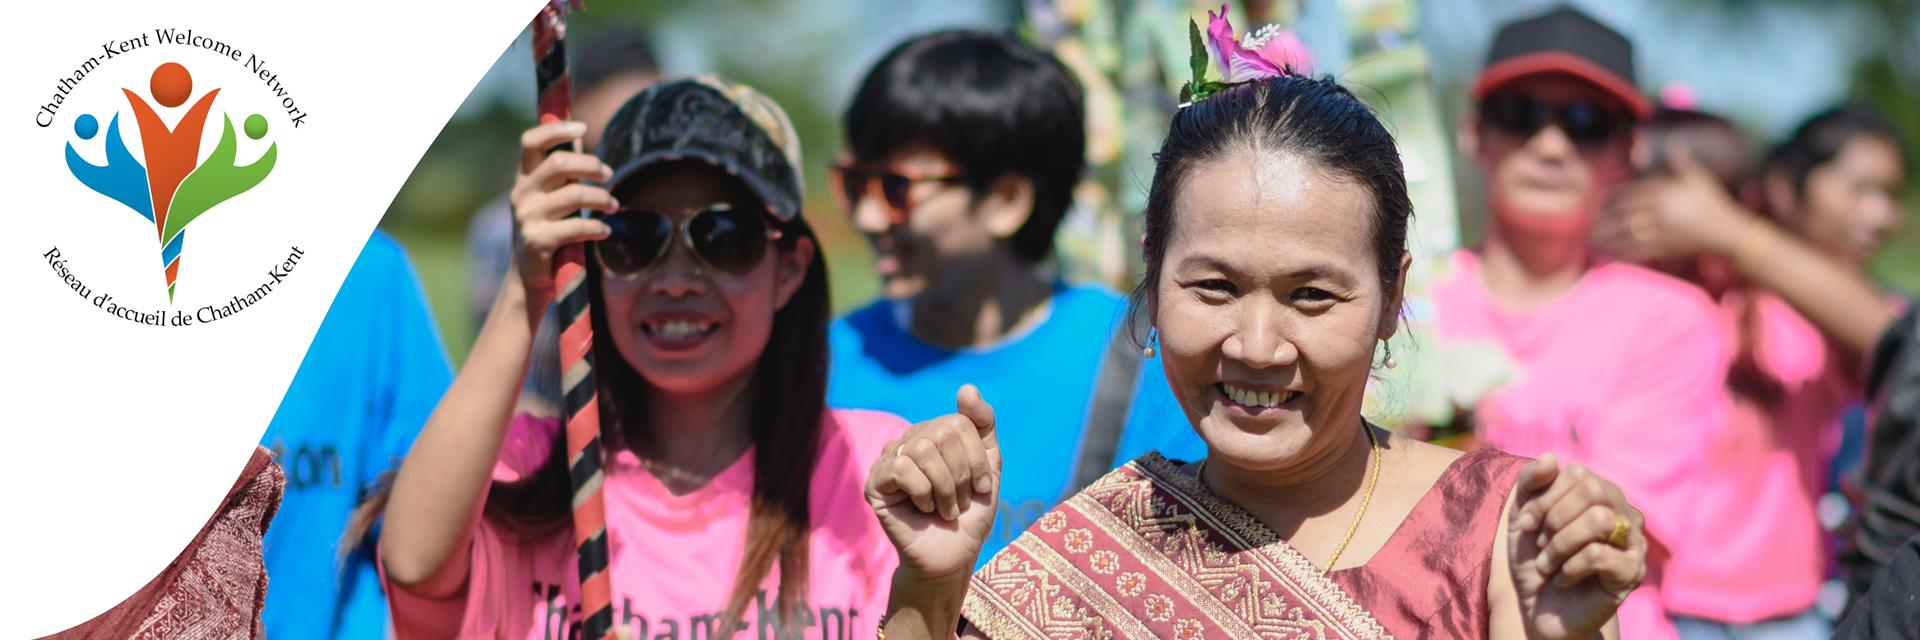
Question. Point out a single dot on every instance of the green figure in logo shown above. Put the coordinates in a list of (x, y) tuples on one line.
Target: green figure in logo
[(218, 179)]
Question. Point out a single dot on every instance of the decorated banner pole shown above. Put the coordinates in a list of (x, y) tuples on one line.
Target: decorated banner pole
[(581, 402)]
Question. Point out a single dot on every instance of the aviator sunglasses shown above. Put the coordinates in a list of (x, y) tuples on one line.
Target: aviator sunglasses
[(1587, 124), (851, 182), (729, 240)]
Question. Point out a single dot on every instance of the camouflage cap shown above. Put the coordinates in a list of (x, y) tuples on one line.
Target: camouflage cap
[(709, 119)]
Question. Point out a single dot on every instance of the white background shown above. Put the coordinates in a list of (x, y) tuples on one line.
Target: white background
[(120, 439)]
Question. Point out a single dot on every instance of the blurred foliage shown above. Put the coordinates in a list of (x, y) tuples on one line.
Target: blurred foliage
[(1886, 76)]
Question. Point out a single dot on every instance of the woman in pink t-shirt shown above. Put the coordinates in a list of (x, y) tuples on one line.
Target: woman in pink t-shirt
[(1834, 183), (733, 495)]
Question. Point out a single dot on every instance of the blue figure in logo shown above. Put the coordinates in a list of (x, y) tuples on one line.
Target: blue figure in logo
[(121, 178)]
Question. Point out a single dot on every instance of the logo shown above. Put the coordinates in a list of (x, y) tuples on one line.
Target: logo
[(167, 183)]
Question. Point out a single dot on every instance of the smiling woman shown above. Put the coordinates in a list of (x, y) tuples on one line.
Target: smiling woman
[(732, 493), (1275, 252)]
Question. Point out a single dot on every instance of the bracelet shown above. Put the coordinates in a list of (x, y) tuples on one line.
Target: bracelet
[(1754, 240)]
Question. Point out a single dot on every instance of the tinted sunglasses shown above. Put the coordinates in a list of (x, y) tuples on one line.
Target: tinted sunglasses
[(1587, 124), (851, 182), (731, 241)]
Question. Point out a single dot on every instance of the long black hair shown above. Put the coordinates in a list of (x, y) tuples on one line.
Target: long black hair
[(1315, 119), (1822, 137)]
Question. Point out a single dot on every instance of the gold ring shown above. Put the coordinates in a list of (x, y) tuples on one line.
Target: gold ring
[(1621, 528), (1637, 227)]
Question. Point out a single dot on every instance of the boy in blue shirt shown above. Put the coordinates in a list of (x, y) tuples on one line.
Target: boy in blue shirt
[(965, 150), (371, 377)]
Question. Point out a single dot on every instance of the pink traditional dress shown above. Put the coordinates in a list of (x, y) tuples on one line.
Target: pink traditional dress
[(1149, 552)]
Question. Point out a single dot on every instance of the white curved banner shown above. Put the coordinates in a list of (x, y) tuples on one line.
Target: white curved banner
[(187, 184)]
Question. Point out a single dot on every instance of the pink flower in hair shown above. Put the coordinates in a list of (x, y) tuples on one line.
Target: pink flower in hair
[(1237, 63), (1270, 52), (1281, 47)]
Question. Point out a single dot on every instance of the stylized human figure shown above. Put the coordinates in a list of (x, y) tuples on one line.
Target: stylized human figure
[(121, 178), (212, 183), (171, 170), (171, 152), (219, 178)]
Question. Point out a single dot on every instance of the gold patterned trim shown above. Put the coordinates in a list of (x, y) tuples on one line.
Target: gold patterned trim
[(1156, 560), (1110, 611), (1281, 557), (986, 611), (1195, 544)]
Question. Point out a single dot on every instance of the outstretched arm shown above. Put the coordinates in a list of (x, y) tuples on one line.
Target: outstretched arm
[(1839, 301), (443, 481), (442, 484), (1687, 213)]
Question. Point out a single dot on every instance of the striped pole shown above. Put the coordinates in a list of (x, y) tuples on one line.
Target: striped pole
[(581, 403)]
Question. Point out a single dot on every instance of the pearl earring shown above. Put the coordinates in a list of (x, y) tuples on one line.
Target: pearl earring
[(1390, 362), (1153, 339)]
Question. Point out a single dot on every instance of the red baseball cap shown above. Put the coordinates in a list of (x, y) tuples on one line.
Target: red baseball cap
[(1567, 42)]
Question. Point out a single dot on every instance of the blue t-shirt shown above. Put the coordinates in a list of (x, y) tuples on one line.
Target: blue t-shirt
[(1157, 423), (372, 375), (1040, 385)]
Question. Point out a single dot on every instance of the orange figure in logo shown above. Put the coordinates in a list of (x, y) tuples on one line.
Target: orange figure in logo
[(171, 152)]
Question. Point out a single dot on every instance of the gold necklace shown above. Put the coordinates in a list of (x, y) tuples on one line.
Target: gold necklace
[(1366, 497)]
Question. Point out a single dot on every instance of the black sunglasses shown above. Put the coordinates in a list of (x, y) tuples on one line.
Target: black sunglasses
[(728, 240), (1587, 124)]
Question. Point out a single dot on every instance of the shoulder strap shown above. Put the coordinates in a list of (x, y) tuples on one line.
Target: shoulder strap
[(1107, 414)]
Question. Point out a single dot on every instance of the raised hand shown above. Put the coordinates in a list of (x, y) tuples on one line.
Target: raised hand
[(546, 191), (935, 490), (1569, 576), (1681, 213)]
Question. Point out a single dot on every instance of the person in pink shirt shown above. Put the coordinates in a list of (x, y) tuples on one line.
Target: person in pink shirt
[(734, 497), (1618, 367), (1835, 184)]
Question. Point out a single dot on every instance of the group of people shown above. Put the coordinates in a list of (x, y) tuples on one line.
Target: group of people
[(990, 451)]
